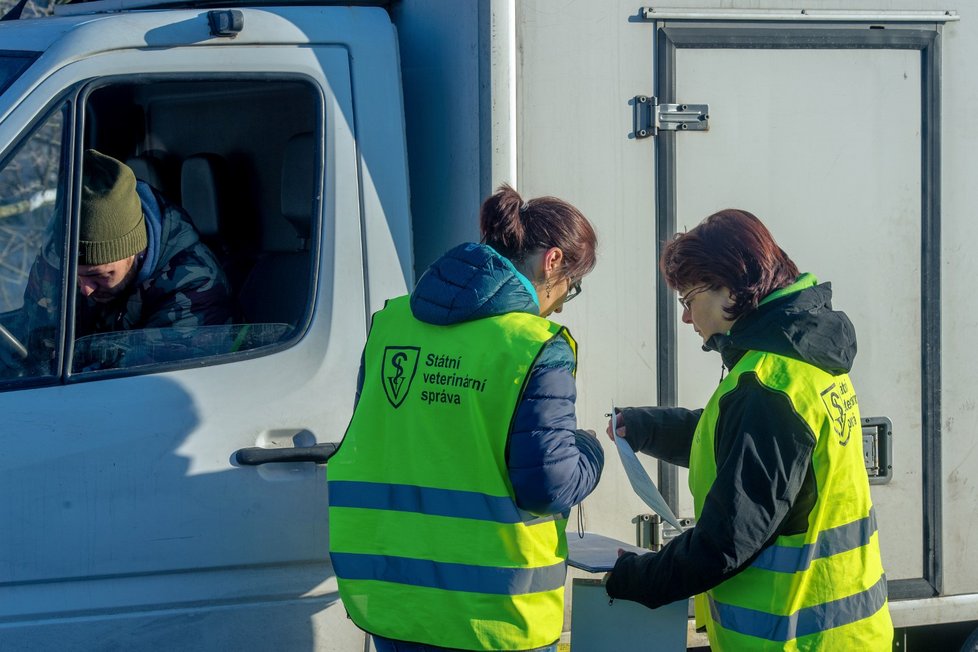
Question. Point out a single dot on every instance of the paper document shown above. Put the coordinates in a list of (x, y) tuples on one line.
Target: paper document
[(641, 482)]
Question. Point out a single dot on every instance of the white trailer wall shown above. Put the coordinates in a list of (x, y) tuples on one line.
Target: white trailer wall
[(580, 63)]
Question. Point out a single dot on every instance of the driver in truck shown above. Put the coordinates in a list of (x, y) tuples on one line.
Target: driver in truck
[(141, 264)]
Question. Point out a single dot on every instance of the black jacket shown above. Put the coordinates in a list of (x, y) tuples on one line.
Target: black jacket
[(765, 486)]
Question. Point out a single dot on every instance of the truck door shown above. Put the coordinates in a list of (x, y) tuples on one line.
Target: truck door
[(129, 522), (829, 133)]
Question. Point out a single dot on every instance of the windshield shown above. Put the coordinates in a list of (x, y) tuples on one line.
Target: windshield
[(12, 64)]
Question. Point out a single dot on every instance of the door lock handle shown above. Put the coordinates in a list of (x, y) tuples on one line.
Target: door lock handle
[(318, 454)]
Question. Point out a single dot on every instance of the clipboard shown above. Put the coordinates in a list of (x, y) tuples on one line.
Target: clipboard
[(596, 553)]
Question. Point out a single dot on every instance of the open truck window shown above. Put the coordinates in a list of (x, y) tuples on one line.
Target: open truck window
[(229, 164)]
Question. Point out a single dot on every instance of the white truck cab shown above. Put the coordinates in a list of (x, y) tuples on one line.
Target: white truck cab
[(138, 515)]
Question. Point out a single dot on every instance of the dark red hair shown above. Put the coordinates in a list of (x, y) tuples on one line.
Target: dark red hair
[(730, 249), (517, 229)]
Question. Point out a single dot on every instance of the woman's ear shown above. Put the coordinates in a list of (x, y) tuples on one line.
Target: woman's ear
[(553, 260)]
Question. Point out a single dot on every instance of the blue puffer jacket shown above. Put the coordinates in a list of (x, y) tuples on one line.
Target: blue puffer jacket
[(552, 465)]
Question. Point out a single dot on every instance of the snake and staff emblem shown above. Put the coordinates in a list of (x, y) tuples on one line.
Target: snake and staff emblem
[(398, 371), (839, 400)]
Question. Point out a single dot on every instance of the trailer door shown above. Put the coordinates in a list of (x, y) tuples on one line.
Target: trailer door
[(828, 133)]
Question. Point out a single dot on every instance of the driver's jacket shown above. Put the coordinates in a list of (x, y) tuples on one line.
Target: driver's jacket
[(180, 283)]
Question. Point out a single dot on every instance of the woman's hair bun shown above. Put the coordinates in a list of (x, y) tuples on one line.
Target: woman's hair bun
[(501, 223), (517, 228)]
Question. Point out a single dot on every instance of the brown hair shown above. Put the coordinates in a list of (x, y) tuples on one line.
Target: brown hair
[(730, 249), (517, 229)]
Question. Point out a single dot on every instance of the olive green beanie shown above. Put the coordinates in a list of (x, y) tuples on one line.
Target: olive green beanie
[(112, 224)]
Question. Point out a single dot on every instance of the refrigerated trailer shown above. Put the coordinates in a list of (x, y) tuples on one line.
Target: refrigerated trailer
[(162, 489)]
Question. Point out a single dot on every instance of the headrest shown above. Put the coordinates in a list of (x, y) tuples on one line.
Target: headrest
[(148, 167), (299, 182), (200, 190)]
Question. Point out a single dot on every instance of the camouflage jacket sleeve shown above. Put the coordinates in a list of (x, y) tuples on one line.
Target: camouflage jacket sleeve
[(190, 290)]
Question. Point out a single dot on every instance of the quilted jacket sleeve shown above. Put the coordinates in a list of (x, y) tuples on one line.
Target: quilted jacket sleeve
[(552, 465)]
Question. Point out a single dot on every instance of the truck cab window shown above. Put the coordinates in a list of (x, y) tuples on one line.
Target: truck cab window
[(225, 175), (196, 225)]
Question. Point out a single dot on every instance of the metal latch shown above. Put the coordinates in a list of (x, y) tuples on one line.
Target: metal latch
[(653, 533), (650, 117), (877, 449)]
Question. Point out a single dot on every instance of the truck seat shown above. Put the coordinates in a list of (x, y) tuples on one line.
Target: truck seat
[(203, 189), (201, 179), (276, 289)]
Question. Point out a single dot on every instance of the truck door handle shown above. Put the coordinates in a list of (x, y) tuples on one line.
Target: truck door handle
[(317, 454)]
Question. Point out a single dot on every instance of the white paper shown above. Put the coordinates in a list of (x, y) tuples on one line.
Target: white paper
[(641, 483)]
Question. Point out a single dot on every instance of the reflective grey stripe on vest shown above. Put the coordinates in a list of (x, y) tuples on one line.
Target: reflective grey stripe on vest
[(786, 559), (803, 622), (452, 577), (426, 500)]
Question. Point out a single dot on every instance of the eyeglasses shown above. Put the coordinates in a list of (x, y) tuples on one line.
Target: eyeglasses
[(573, 291), (687, 300)]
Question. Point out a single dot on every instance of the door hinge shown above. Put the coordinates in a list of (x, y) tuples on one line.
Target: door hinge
[(650, 117)]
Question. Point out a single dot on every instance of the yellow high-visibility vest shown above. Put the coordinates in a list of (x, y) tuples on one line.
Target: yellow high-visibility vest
[(823, 589), (426, 539)]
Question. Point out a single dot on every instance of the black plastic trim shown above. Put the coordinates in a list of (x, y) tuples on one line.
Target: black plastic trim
[(665, 220), (28, 58), (910, 589), (317, 454)]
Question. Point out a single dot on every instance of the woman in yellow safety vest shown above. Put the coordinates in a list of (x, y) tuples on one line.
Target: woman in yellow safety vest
[(450, 492), (785, 551)]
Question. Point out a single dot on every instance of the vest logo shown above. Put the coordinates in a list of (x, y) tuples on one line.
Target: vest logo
[(397, 373), (839, 399)]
